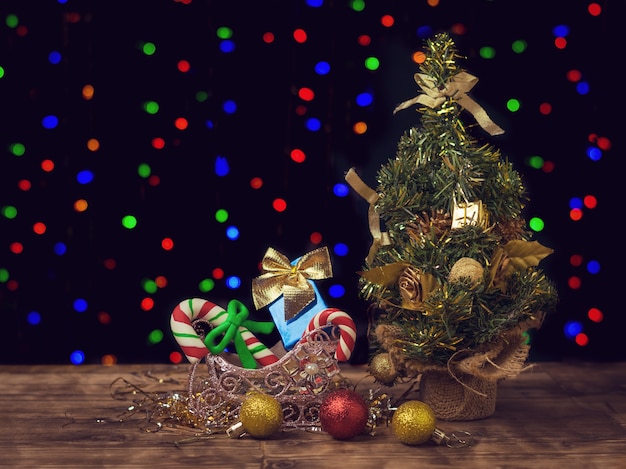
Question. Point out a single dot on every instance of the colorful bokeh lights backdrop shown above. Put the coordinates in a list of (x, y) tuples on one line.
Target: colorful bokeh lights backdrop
[(151, 151)]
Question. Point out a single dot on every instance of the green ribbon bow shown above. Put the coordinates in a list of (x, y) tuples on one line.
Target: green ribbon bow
[(231, 329)]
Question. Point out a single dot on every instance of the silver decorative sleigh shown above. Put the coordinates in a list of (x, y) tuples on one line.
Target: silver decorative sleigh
[(299, 381)]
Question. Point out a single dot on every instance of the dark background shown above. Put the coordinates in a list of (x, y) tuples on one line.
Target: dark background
[(99, 43)]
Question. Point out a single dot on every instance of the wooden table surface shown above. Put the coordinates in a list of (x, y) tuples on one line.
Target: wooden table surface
[(555, 415)]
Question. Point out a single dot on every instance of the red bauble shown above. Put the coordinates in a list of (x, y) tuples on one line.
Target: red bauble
[(344, 414)]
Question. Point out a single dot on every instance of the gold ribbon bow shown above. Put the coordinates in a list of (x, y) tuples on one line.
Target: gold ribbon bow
[(279, 277), (381, 238), (456, 88)]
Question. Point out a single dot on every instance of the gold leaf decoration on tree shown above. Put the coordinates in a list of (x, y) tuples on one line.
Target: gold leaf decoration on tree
[(386, 275), (524, 254)]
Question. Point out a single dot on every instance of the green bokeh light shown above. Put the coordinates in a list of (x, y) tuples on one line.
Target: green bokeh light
[(18, 149), (202, 96), (144, 170), (535, 162), (536, 224), (9, 211), (206, 285), (224, 32), (155, 336), (151, 107), (372, 63), (519, 46), (487, 52), (357, 5), (221, 215), (129, 221), (4, 275), (513, 105), (1, 72), (149, 286), (148, 48), (11, 20)]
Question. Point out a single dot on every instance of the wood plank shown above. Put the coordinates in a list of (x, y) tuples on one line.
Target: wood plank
[(555, 415)]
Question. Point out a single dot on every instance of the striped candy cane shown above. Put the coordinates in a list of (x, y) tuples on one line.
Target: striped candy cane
[(347, 330), (195, 309)]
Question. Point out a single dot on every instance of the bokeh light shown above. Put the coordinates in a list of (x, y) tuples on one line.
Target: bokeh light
[(130, 173)]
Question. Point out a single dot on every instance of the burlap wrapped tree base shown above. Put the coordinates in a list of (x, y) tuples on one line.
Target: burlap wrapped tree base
[(466, 388), (474, 399)]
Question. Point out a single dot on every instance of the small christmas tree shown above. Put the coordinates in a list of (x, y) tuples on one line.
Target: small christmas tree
[(453, 277)]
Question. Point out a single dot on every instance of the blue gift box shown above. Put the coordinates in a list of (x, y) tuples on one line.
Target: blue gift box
[(291, 330)]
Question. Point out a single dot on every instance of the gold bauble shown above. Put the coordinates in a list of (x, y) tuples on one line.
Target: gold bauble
[(413, 423), (467, 268), (383, 369), (261, 415)]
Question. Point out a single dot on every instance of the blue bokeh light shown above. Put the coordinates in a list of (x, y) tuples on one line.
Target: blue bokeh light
[(593, 267), (594, 153), (77, 357), (560, 30), (60, 248), (575, 202), (233, 282), (322, 68), (336, 291), (227, 46), (572, 329), (80, 305), (341, 249), (54, 57), (229, 106), (582, 88), (341, 190), (50, 122), (364, 99), (424, 32), (313, 124), (221, 166), (232, 233), (33, 318), (85, 176)]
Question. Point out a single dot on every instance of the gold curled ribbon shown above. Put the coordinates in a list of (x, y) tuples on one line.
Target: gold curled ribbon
[(456, 88), (279, 277), (381, 238)]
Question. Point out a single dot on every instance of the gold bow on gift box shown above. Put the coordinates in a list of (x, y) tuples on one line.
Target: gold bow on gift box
[(279, 277)]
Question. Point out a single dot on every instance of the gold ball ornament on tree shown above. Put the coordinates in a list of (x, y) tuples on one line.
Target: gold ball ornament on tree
[(413, 423), (466, 268), (344, 414), (261, 415), (383, 369)]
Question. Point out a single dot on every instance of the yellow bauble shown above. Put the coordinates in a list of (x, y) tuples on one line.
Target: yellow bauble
[(413, 423), (467, 268), (383, 369), (261, 415)]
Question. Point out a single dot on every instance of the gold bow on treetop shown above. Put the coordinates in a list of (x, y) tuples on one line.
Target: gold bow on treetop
[(456, 88), (279, 277)]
